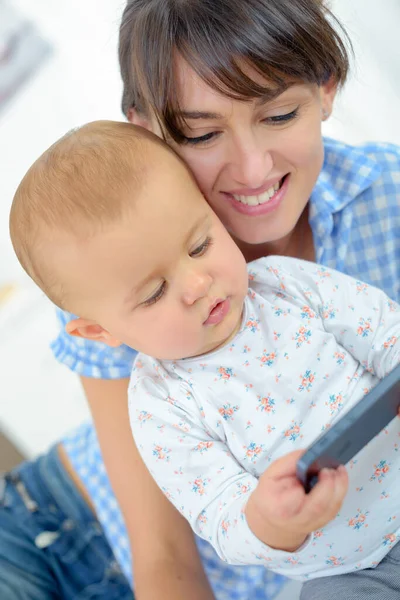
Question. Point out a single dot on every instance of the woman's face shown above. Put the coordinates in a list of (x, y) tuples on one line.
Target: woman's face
[(256, 163)]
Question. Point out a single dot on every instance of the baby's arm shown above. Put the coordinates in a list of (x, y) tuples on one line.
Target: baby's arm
[(361, 317), (248, 521)]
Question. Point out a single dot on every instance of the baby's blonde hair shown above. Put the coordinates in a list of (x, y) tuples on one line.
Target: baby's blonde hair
[(85, 181)]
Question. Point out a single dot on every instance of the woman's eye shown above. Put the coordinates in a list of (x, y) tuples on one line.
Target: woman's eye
[(200, 250), (156, 296), (202, 139), (279, 119)]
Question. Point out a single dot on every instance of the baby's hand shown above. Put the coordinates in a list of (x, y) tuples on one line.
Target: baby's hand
[(282, 515)]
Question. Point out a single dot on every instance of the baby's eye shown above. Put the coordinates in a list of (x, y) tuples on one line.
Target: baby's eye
[(157, 295), (200, 250)]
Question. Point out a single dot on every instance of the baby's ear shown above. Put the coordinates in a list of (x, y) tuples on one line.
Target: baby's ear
[(91, 330)]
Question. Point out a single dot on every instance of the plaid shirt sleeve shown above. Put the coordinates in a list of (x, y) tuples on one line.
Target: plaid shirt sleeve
[(89, 358)]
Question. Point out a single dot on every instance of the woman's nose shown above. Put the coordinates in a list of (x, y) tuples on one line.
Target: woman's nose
[(251, 162), (196, 286)]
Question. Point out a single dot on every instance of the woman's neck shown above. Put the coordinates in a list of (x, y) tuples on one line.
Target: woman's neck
[(298, 243)]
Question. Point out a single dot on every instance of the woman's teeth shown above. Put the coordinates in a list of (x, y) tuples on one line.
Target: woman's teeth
[(261, 198)]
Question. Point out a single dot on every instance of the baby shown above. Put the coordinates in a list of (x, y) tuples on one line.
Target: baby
[(252, 361)]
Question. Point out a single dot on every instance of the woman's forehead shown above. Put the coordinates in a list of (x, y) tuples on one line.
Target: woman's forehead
[(193, 91), (199, 100)]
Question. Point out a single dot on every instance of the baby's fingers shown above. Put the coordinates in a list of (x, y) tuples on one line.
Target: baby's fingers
[(325, 499)]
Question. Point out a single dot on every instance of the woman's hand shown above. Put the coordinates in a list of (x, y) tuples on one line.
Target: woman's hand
[(282, 515)]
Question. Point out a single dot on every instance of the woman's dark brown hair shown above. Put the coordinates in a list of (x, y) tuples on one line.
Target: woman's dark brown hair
[(285, 41)]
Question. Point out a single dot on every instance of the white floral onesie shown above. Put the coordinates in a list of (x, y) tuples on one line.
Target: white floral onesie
[(313, 341)]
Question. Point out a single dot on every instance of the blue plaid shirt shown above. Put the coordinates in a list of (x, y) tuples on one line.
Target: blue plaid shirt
[(355, 219)]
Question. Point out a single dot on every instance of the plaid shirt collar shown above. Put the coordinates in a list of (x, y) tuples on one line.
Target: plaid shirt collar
[(346, 173)]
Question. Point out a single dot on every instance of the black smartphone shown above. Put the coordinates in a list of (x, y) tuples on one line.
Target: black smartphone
[(337, 445)]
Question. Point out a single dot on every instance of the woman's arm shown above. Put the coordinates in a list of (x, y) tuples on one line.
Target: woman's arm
[(165, 556)]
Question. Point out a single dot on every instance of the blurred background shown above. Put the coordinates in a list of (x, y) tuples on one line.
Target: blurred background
[(58, 69)]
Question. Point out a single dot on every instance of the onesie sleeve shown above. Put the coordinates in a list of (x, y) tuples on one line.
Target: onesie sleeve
[(361, 317)]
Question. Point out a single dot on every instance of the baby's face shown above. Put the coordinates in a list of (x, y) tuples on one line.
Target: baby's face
[(167, 279)]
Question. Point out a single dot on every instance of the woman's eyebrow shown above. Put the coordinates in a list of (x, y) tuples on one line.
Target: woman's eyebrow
[(198, 114), (270, 95)]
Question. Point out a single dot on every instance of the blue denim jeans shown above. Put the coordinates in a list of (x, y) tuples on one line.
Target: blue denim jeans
[(51, 545)]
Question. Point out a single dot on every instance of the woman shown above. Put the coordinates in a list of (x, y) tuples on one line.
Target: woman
[(239, 90)]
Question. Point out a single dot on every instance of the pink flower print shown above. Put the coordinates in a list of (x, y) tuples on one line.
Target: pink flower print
[(248, 386), (225, 526), (203, 520), (144, 416), (138, 364), (292, 560), (334, 403), (252, 324), (278, 311), (252, 275), (273, 270), (390, 342), (161, 453), (276, 336), (323, 273), (293, 432), (302, 336), (263, 557), (268, 358), (359, 549), (335, 561), (227, 411), (339, 356), (242, 488), (202, 447), (225, 373), (199, 486), (172, 401), (307, 313), (328, 311), (361, 287), (307, 381), (270, 428), (389, 539), (253, 452), (246, 350), (182, 426), (364, 327), (318, 534), (392, 305), (359, 520), (203, 366), (380, 470), (266, 404)]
